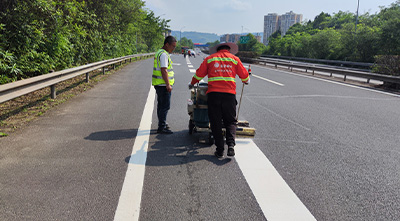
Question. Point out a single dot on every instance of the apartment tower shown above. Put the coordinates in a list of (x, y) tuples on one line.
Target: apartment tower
[(274, 22)]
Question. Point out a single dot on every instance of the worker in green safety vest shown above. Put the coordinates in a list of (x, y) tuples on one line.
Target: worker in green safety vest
[(162, 80)]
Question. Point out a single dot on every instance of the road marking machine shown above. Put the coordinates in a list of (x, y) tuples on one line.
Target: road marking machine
[(198, 112)]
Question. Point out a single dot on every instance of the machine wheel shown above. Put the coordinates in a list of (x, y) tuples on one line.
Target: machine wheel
[(210, 139), (191, 126)]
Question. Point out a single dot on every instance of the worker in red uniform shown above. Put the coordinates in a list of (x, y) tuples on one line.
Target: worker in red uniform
[(221, 67)]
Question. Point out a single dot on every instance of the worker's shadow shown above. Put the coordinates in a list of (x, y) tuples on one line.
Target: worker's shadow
[(112, 135), (177, 149)]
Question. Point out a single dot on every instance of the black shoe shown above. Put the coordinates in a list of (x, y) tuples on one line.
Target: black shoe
[(164, 131), (219, 153), (231, 151), (167, 126)]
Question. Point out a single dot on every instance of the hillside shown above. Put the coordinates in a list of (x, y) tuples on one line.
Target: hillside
[(201, 37), (197, 37)]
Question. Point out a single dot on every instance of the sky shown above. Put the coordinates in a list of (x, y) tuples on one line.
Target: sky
[(237, 16)]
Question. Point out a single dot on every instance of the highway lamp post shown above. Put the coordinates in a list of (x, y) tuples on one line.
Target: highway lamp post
[(164, 30), (180, 34), (136, 43), (358, 5)]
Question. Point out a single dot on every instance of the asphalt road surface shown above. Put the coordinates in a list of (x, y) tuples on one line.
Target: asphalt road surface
[(323, 151)]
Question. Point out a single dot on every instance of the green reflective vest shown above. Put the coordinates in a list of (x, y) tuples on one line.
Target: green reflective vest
[(157, 76)]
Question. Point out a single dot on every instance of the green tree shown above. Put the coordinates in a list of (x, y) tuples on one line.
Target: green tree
[(37, 36), (321, 21), (212, 44), (252, 45), (390, 29)]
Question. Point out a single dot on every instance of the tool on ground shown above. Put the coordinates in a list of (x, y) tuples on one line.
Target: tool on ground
[(243, 129)]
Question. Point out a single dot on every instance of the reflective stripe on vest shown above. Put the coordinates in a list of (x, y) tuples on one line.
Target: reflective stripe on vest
[(222, 59), (160, 77), (157, 78), (159, 69), (221, 79), (244, 80), (198, 78)]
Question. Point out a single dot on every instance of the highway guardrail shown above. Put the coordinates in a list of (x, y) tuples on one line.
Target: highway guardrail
[(331, 70), (18, 88)]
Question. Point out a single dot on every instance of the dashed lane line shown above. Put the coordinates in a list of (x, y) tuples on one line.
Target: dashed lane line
[(265, 79)]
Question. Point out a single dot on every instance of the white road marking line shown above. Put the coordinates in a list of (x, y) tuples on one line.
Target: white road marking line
[(273, 194), (131, 194), (321, 95), (274, 82), (192, 70), (190, 66)]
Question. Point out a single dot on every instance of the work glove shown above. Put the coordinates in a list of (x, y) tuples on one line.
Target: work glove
[(190, 86), (247, 82)]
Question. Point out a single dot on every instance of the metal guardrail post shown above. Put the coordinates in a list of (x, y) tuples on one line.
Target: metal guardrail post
[(87, 77), (104, 70), (53, 92)]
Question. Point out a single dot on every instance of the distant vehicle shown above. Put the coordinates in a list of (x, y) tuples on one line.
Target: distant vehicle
[(192, 52), (184, 49)]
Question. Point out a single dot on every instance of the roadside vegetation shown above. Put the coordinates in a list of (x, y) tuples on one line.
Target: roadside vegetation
[(375, 39), (183, 42), (40, 36)]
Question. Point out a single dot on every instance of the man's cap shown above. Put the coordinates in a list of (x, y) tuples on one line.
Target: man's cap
[(233, 46)]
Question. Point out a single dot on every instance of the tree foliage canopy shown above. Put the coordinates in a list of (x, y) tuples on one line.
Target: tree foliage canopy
[(336, 37), (38, 36)]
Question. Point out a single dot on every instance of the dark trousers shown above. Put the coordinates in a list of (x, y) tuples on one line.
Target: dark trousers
[(222, 111), (163, 105)]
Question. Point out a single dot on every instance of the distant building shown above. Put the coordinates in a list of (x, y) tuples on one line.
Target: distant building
[(258, 37), (289, 19), (274, 22), (235, 38), (167, 32), (271, 25), (230, 38)]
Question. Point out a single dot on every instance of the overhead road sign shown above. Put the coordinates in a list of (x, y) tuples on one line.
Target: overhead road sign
[(244, 39), (200, 45)]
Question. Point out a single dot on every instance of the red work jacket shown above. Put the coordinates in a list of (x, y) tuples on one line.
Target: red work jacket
[(221, 69)]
